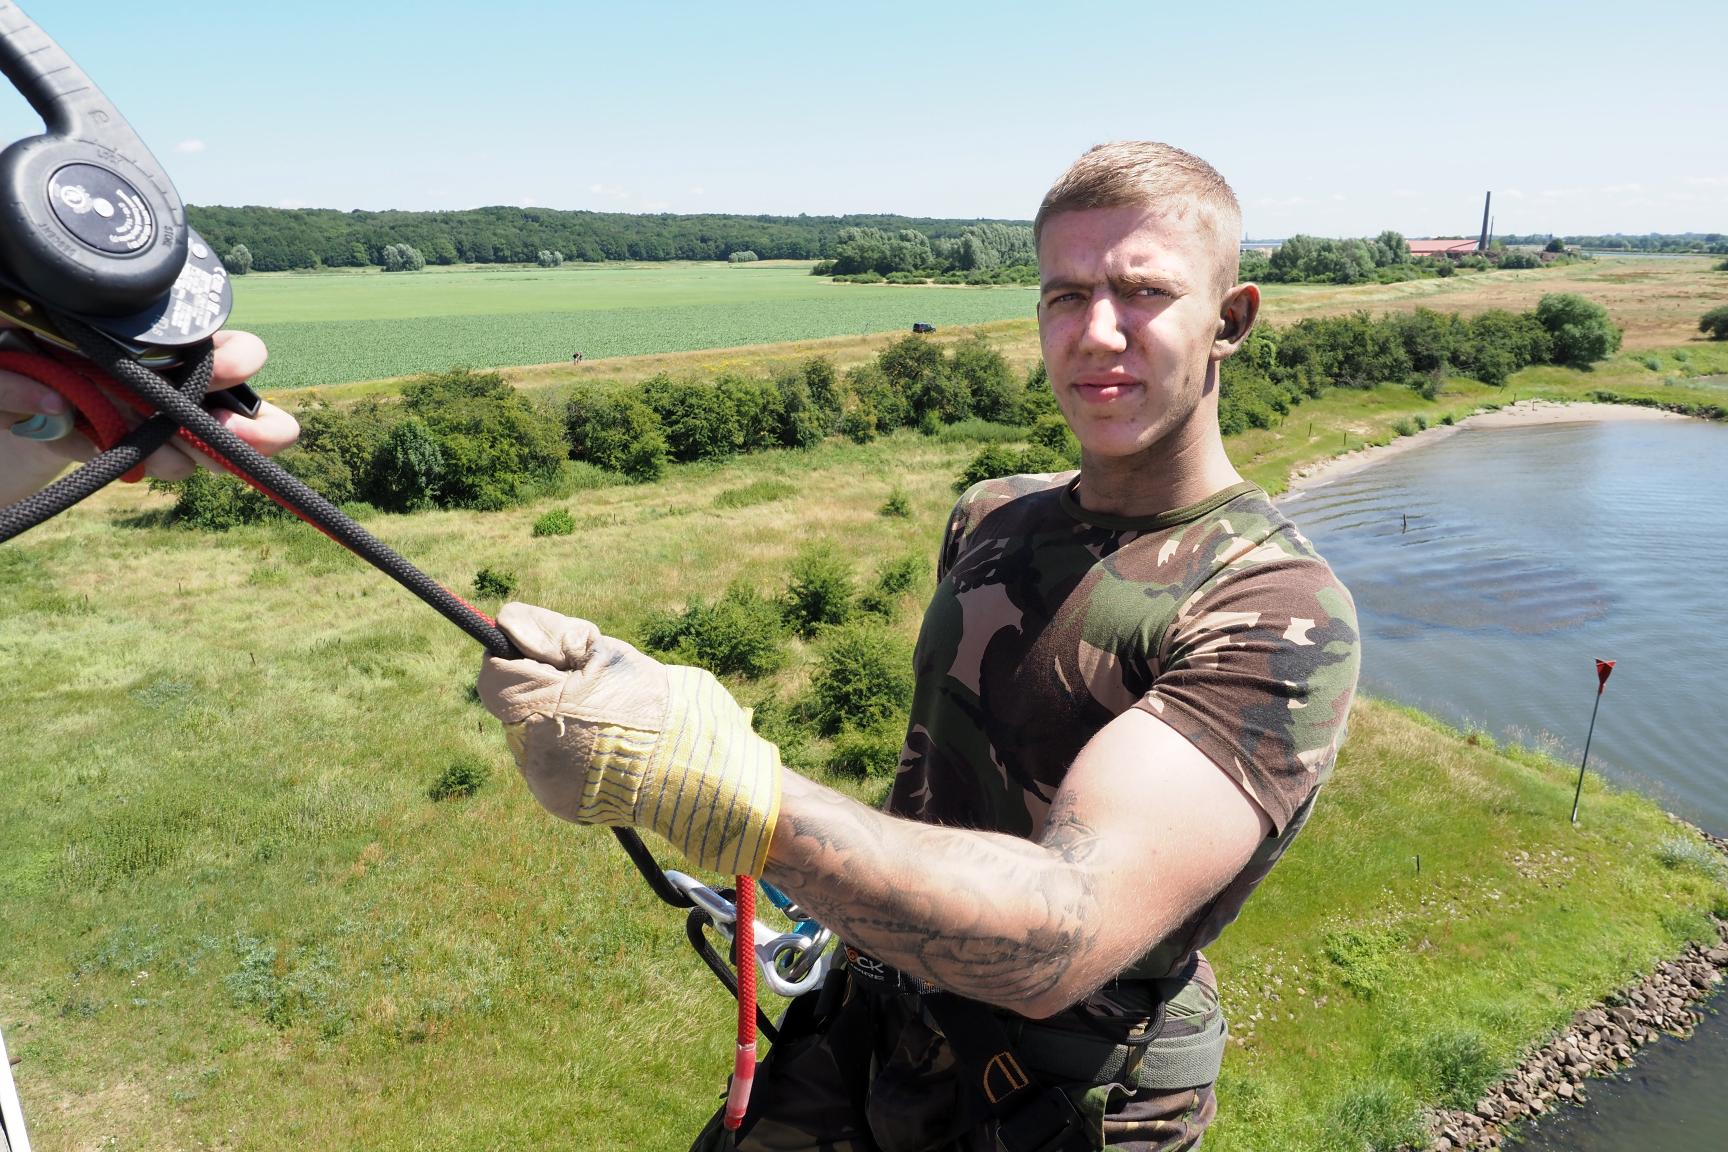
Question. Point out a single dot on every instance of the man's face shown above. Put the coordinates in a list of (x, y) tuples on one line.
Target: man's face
[(1127, 316)]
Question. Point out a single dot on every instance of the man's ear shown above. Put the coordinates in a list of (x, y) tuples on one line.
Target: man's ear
[(1236, 315)]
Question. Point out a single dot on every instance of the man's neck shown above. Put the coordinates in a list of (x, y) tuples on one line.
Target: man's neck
[(1163, 478)]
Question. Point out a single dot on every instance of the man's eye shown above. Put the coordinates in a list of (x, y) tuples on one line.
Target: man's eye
[(1150, 290), (1062, 298)]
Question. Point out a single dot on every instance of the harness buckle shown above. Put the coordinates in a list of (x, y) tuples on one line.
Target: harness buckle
[(1046, 1122)]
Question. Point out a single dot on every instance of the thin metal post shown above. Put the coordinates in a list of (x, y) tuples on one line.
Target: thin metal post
[(1579, 791)]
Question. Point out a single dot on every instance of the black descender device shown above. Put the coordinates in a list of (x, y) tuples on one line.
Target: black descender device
[(92, 227)]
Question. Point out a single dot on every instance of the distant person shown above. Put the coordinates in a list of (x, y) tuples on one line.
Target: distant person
[(1131, 683), (577, 356), (28, 464)]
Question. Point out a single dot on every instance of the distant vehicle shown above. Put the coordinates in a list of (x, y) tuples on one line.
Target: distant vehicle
[(923, 327)]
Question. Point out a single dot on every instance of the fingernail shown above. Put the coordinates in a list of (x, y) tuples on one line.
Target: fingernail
[(43, 427)]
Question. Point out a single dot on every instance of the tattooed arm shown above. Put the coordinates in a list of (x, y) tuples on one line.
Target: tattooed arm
[(1144, 831)]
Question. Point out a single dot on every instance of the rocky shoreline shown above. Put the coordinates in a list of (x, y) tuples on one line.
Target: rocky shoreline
[(1598, 1042)]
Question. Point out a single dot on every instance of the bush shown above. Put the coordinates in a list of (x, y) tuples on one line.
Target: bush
[(408, 471), (821, 590), (863, 679), (1714, 323), (995, 390), (216, 502), (868, 753), (893, 580), (463, 776), (742, 257), (557, 522), (825, 391), (700, 422), (738, 635), (897, 504), (494, 583), (1580, 329), (1053, 433), (498, 446), (615, 431), (873, 393), (799, 422), (1518, 258), (757, 410), (992, 460), (1403, 428)]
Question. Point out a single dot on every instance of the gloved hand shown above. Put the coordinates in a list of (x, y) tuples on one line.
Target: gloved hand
[(606, 735)]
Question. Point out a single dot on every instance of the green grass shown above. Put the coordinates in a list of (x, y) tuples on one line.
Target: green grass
[(337, 327), (237, 917)]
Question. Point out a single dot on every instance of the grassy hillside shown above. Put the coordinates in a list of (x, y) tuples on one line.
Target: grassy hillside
[(238, 920)]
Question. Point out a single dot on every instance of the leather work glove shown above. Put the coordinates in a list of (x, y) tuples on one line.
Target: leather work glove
[(606, 735)]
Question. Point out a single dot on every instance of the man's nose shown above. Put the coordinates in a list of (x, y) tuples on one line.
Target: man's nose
[(1103, 330)]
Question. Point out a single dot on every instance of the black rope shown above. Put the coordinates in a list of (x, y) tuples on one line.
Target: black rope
[(191, 416), (179, 406)]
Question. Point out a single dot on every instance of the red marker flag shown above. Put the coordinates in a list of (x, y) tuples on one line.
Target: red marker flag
[(1604, 669)]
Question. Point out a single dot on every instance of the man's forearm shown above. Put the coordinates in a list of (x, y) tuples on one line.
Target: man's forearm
[(985, 915)]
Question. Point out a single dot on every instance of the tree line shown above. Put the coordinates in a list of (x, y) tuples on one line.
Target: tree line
[(466, 439), (1704, 242), (283, 239)]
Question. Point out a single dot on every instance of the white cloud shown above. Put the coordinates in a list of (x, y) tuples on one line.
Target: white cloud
[(609, 192), (527, 202), (189, 146), (292, 203)]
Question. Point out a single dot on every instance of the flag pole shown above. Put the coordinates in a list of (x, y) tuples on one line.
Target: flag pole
[(1604, 668)]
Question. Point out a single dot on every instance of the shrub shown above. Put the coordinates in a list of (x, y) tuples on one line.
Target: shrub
[(615, 431), (699, 422), (1373, 1116), (1580, 329), (756, 407), (737, 635), (408, 472), (897, 504), (893, 580), (1722, 267), (799, 422), (825, 391), (995, 391), (1448, 419), (494, 583), (868, 753), (463, 776), (1364, 957), (216, 502), (1052, 432), (755, 492), (498, 446), (742, 257), (992, 460), (557, 522), (1518, 258), (863, 678), (886, 401), (821, 590), (1714, 323), (1689, 853)]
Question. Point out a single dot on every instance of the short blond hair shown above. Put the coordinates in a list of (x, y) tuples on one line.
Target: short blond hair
[(1146, 173)]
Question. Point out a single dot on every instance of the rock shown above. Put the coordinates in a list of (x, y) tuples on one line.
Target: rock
[(1565, 1091)]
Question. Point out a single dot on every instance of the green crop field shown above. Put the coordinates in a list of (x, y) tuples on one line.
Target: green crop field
[(334, 327)]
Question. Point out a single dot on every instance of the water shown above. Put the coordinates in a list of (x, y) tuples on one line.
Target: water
[(1492, 568), (1527, 553)]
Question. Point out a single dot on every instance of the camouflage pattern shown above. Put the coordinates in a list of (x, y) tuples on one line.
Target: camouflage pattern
[(1048, 622)]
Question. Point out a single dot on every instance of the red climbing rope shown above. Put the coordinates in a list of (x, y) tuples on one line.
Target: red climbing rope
[(744, 1063)]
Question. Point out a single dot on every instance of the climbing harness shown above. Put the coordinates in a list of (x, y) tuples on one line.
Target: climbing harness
[(113, 293)]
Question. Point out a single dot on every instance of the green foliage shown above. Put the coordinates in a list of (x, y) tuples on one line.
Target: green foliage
[(994, 389), (238, 261), (894, 580), (1454, 1067), (1714, 323), (1303, 259), (1052, 432), (756, 492), (285, 989), (700, 422), (868, 753), (1579, 328), (463, 776), (1403, 427), (402, 258), (994, 460), (549, 258), (557, 522), (494, 583), (744, 256), (863, 679), (498, 446), (1722, 267), (1690, 853), (877, 400), (737, 635), (1375, 1116), (898, 504), (821, 591), (1364, 957), (617, 431), (216, 502), (1519, 258), (408, 472)]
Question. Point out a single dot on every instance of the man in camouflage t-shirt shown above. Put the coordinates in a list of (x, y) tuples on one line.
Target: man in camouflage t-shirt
[(1132, 681)]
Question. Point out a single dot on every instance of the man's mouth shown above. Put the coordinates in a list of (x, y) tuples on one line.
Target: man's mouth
[(1102, 389)]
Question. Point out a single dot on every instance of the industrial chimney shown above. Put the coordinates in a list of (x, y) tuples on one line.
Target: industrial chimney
[(1482, 244)]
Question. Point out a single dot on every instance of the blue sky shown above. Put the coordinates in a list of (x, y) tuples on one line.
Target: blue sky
[(1336, 119)]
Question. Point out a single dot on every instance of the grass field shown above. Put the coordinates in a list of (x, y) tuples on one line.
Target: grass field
[(236, 920), (344, 326)]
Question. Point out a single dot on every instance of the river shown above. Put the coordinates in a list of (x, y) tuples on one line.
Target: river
[(1491, 569)]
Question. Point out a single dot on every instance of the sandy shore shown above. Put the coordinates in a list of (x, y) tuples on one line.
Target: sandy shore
[(1521, 414)]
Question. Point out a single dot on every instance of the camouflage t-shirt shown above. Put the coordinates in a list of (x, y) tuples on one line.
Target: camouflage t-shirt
[(1049, 621)]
